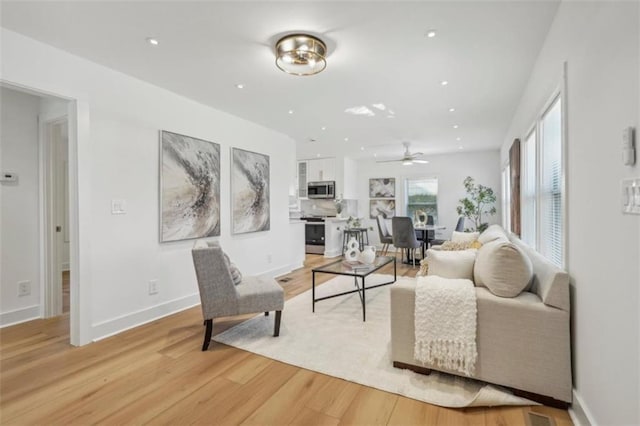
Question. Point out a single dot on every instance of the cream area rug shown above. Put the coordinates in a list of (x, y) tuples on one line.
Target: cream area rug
[(335, 341)]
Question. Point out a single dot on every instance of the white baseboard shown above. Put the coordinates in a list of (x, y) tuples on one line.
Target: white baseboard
[(65, 266), (579, 413), (276, 272), (143, 316), (19, 315)]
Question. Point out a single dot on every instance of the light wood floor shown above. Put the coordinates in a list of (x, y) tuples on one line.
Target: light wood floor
[(157, 374)]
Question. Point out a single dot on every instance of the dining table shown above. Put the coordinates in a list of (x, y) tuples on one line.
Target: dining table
[(423, 230)]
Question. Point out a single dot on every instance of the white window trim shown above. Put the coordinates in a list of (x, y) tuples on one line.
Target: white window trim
[(559, 92)]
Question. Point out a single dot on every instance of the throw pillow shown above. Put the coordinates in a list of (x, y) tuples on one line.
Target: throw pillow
[(462, 237), (451, 264), (503, 268), (424, 268), (492, 233), (236, 275), (455, 246)]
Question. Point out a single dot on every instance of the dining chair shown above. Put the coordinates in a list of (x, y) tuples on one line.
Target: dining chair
[(404, 236), (383, 232), (220, 297)]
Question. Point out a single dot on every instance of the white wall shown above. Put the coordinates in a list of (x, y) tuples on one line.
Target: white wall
[(600, 43), (125, 116), (451, 170), (19, 238)]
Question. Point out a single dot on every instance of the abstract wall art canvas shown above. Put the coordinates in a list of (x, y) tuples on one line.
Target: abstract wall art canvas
[(386, 208), (250, 208), (189, 187), (382, 188)]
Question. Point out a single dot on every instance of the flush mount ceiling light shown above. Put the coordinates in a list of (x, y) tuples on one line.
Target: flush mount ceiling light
[(301, 54)]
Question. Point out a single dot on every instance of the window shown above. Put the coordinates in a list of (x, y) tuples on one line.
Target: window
[(506, 197), (422, 194), (551, 186), (543, 185), (528, 188)]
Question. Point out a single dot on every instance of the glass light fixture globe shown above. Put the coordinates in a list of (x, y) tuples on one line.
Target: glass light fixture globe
[(301, 54)]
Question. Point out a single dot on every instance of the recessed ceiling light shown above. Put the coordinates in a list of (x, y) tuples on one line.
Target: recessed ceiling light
[(323, 128), (375, 155), (431, 33), (455, 126), (290, 111), (444, 82), (153, 41), (318, 155), (460, 147), (452, 109), (346, 139), (362, 148), (458, 139), (240, 86)]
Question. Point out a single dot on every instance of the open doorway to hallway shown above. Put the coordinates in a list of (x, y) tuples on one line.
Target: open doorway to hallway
[(35, 269)]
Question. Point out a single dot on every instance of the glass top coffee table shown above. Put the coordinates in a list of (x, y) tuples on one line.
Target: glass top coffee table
[(342, 267)]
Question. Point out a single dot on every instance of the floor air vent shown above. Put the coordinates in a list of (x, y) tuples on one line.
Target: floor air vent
[(537, 419), (284, 280)]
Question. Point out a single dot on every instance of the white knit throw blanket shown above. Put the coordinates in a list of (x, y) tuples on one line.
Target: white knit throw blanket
[(445, 323)]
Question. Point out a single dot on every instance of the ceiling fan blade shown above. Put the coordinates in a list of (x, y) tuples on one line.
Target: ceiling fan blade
[(417, 154), (389, 161), (420, 161)]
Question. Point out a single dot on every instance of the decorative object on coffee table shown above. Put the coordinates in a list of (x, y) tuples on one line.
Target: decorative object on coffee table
[(189, 187), (352, 252)]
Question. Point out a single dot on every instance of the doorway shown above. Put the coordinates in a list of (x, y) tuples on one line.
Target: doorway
[(54, 149)]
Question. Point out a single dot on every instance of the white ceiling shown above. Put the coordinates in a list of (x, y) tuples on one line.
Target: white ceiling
[(378, 53)]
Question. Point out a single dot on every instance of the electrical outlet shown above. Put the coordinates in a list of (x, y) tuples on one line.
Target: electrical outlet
[(153, 287), (24, 288), (269, 258)]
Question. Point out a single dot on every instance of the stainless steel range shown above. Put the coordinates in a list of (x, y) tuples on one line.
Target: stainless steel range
[(314, 235)]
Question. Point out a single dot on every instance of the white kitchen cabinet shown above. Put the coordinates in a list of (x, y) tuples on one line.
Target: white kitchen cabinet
[(302, 178), (316, 170)]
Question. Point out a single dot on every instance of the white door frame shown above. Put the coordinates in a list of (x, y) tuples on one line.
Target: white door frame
[(79, 179), (50, 277)]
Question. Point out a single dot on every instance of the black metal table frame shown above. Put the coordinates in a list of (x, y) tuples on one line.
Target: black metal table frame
[(359, 289)]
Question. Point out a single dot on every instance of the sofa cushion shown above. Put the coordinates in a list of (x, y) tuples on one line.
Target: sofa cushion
[(451, 264), (492, 233), (463, 237), (503, 268)]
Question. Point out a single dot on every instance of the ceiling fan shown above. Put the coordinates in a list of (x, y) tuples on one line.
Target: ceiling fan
[(408, 158)]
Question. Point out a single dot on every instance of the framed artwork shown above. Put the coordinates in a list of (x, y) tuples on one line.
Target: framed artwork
[(382, 188), (189, 187), (250, 207), (386, 208)]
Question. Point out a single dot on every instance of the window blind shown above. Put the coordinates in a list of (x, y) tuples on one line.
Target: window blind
[(529, 191), (551, 214)]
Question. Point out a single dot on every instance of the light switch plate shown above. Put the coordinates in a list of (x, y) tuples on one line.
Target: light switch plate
[(118, 206), (630, 196)]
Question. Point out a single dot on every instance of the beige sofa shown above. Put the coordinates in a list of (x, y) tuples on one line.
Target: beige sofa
[(523, 342)]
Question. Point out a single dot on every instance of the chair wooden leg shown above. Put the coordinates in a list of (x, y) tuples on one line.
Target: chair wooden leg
[(276, 329), (207, 334), (266, 314)]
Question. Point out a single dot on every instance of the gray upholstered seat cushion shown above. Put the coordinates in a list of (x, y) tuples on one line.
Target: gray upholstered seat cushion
[(257, 294)]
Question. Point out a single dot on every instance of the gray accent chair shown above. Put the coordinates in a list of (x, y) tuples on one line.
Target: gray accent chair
[(383, 232), (404, 236), (220, 297)]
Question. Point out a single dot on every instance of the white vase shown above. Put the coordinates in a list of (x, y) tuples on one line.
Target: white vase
[(368, 255), (352, 253)]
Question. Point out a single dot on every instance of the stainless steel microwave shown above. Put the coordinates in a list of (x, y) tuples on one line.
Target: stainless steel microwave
[(325, 189)]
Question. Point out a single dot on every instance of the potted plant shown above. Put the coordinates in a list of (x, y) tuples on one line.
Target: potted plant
[(479, 201)]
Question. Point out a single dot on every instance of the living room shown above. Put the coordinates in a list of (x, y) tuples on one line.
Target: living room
[(588, 52)]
